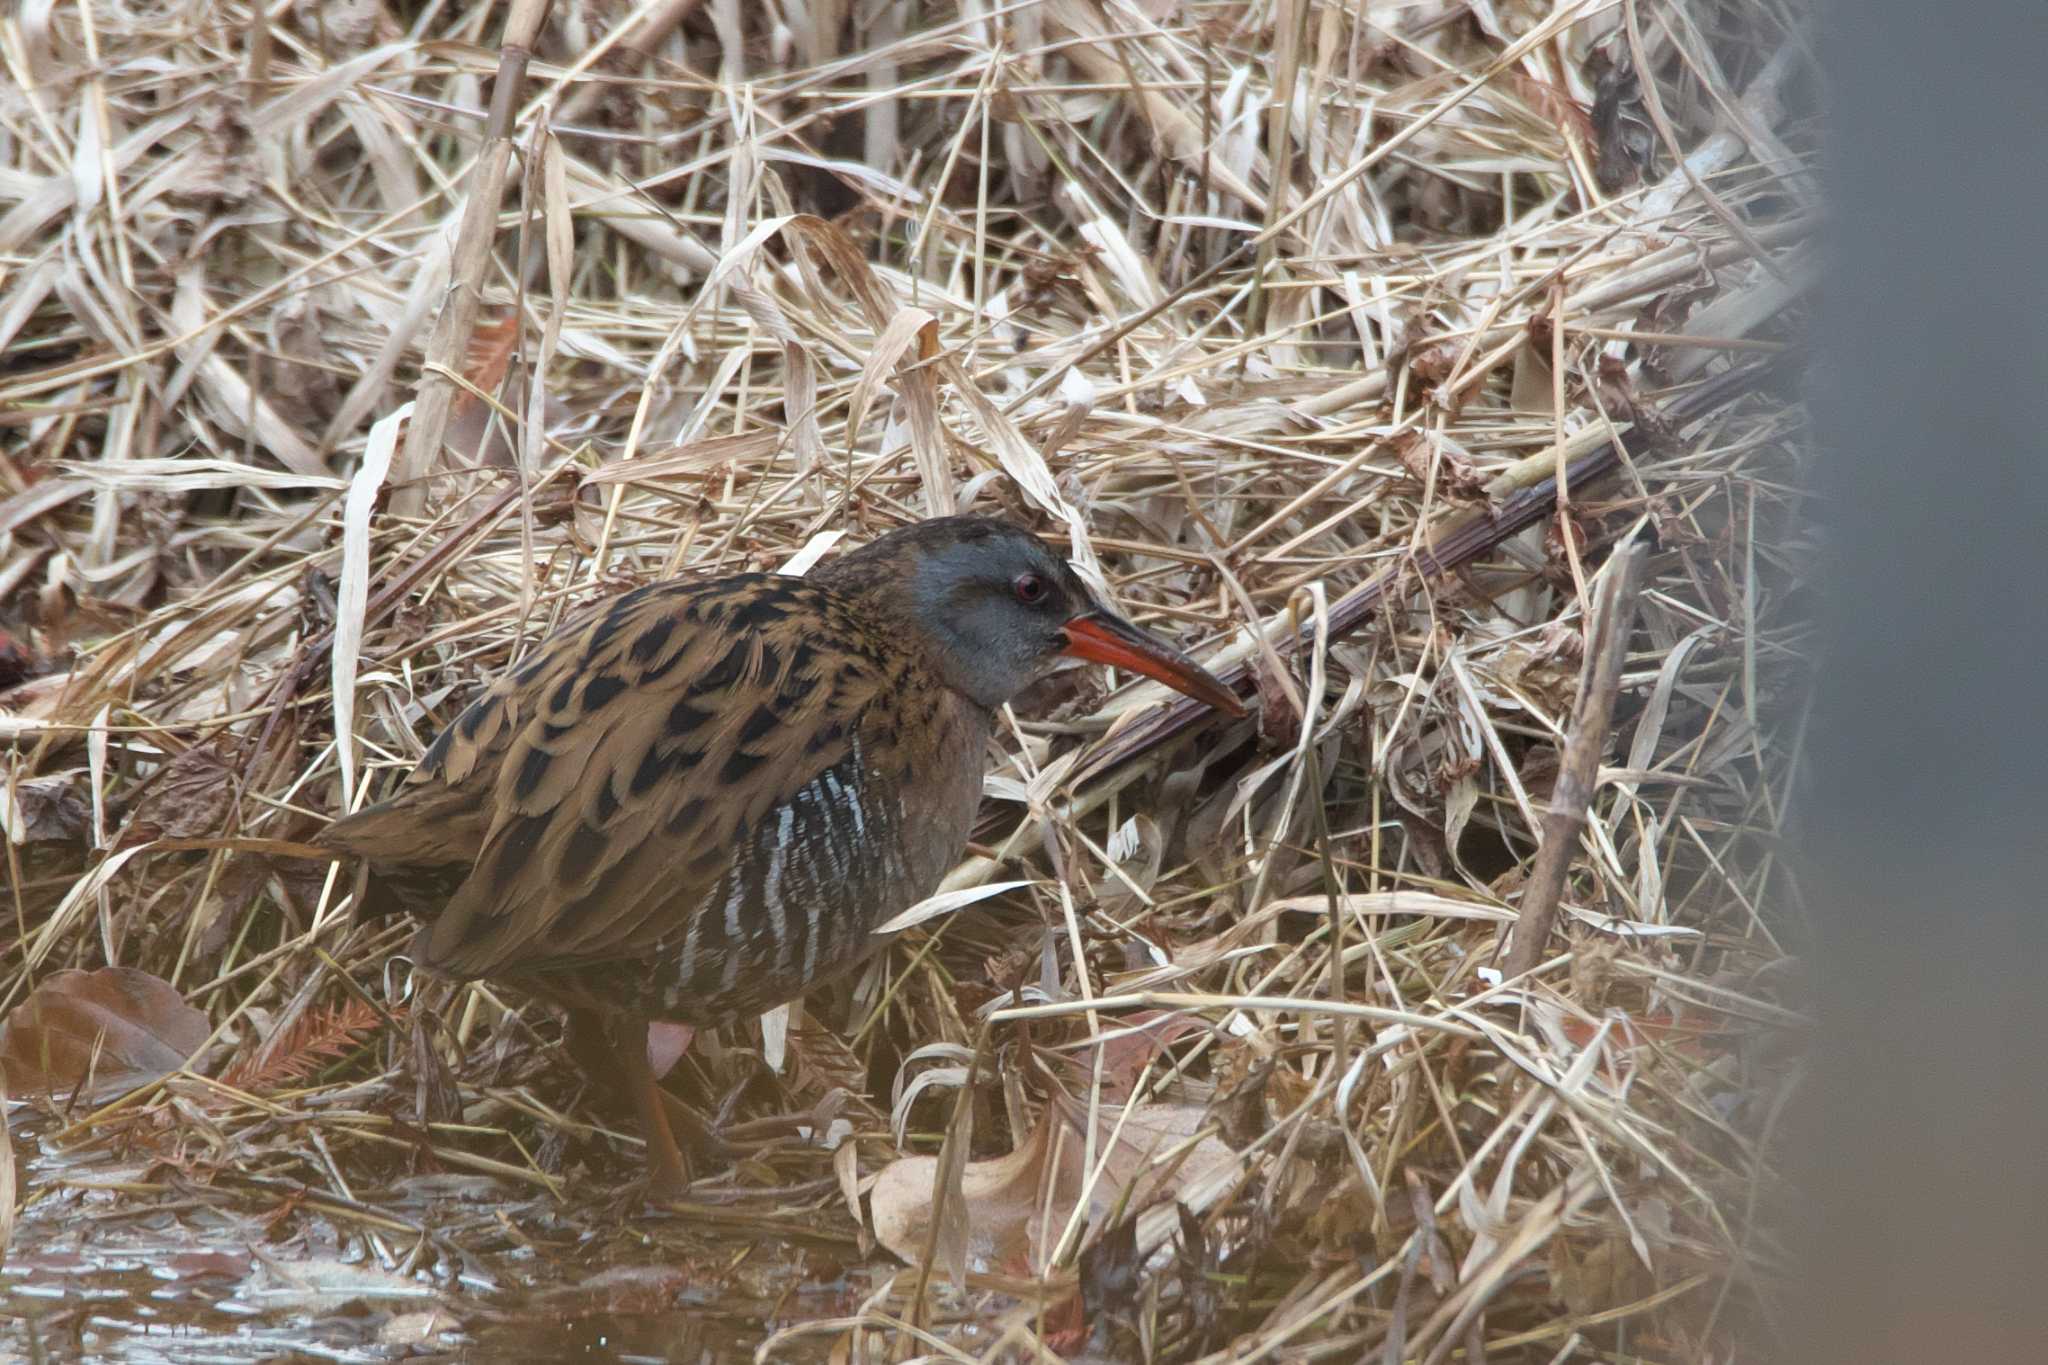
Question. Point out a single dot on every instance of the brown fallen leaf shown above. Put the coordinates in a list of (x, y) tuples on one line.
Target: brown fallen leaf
[(1112, 1278), (1000, 1196), (1018, 1206), (116, 1028), (52, 809), (1128, 1047), (191, 798)]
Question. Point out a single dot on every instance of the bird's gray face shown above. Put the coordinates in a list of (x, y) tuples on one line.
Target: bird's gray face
[(1005, 609)]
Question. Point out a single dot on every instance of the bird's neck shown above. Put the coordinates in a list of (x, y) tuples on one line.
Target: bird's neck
[(884, 587)]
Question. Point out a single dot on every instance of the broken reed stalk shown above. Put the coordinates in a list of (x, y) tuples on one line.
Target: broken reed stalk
[(1607, 633), (1458, 541), (473, 240)]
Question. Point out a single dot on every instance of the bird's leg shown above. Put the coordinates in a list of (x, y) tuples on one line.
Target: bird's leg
[(666, 1044), (694, 1133), (607, 1046), (668, 1173), (588, 1041), (599, 1045)]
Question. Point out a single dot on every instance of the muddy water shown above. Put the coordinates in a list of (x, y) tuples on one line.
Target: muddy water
[(122, 1262)]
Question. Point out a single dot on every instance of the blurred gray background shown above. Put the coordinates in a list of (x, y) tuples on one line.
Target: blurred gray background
[(1922, 1141)]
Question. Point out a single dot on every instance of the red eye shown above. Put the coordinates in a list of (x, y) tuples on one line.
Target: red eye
[(1031, 588)]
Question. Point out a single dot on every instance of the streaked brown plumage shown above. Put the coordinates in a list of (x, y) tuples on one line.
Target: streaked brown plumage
[(697, 798)]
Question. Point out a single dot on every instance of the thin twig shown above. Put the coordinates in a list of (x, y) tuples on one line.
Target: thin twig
[(1614, 615)]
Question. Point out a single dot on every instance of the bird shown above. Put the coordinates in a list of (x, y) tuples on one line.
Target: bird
[(698, 798)]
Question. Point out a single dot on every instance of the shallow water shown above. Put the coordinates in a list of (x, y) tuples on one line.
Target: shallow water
[(121, 1262)]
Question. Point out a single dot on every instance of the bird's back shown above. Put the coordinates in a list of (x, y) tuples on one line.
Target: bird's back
[(690, 801)]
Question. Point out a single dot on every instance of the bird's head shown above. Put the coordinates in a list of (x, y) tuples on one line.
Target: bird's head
[(1000, 610)]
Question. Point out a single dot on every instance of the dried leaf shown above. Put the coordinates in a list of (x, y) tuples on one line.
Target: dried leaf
[(692, 457), (845, 1168), (324, 1287), (775, 1037), (1621, 126), (190, 799), (117, 1027), (920, 387), (435, 1097), (999, 1195), (1130, 1044), (666, 1044), (1111, 1276), (1551, 103), (1018, 1206), (227, 394), (475, 433), (50, 809), (191, 476), (1432, 458)]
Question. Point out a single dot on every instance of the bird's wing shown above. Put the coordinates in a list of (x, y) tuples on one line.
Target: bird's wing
[(603, 788)]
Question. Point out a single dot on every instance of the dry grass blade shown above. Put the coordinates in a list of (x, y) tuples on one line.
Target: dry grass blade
[(7, 1178), (354, 593)]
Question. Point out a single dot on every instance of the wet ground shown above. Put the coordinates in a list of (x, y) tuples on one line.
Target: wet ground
[(122, 1262)]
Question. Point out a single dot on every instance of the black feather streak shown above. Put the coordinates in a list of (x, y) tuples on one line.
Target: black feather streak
[(758, 610), (437, 752), (686, 816), (532, 769), (725, 672), (760, 725), (615, 620), (514, 849), (651, 640), (581, 854), (662, 670), (738, 767), (654, 765)]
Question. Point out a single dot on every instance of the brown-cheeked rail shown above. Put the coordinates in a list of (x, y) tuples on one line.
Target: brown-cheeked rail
[(698, 798)]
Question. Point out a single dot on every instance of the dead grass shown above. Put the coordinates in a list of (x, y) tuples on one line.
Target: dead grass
[(1347, 353)]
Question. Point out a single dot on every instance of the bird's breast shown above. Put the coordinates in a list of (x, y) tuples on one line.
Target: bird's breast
[(844, 852)]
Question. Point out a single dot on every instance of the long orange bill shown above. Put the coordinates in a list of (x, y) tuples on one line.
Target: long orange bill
[(1103, 638)]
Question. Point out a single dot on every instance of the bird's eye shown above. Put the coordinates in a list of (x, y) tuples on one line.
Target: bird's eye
[(1031, 588)]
